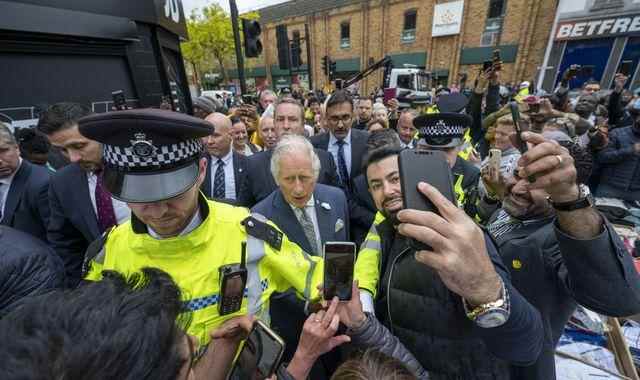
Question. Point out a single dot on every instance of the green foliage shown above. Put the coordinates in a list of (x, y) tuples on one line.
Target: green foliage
[(211, 42)]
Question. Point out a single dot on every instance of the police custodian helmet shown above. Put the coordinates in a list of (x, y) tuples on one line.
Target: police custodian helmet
[(149, 155), (441, 130)]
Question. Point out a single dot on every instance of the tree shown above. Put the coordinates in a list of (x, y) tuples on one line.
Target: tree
[(211, 39)]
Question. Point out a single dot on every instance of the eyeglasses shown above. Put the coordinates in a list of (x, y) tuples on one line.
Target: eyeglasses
[(337, 119)]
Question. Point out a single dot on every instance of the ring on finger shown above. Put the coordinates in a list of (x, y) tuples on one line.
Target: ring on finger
[(560, 160)]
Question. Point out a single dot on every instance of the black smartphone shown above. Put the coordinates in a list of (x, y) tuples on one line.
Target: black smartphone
[(260, 356), (625, 68), (119, 100), (515, 115), (339, 262), (587, 70), (428, 166), (233, 280), (496, 61), (487, 65)]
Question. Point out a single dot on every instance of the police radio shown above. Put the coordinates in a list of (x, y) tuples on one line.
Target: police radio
[(233, 279)]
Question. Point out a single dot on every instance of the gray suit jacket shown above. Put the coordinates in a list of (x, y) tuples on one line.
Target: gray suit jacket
[(331, 210)]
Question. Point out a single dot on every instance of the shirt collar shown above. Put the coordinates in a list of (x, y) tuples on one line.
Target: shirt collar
[(333, 140), (9, 179), (310, 203), (226, 159), (196, 220)]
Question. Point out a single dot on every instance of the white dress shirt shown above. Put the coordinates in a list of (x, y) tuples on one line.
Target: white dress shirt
[(122, 211), (310, 208), (333, 149), (5, 185), (229, 175)]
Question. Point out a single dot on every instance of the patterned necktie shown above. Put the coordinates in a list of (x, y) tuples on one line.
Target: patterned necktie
[(342, 166), (218, 182), (309, 231), (104, 206)]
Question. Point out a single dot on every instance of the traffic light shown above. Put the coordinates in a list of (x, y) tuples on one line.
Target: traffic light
[(252, 44), (332, 68), (325, 65)]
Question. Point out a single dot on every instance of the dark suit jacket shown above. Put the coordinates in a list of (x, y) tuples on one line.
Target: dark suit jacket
[(73, 224), (239, 171), (260, 182), (362, 209), (27, 208), (275, 208), (358, 148)]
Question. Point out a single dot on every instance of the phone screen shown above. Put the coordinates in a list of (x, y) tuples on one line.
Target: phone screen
[(339, 260), (389, 93), (487, 65), (260, 355)]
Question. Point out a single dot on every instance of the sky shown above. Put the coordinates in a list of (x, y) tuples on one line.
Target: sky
[(243, 5)]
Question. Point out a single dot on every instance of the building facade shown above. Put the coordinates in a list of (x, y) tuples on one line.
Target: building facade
[(601, 34), (446, 38)]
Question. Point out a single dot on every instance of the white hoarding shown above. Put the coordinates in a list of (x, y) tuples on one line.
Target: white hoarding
[(447, 18)]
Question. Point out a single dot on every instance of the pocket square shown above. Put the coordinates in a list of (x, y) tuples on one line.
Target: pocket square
[(339, 225)]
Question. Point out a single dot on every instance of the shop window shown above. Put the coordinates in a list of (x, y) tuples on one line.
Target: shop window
[(493, 25), (345, 35), (410, 23)]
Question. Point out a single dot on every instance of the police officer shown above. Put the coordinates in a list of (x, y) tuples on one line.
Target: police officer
[(445, 132), (153, 161)]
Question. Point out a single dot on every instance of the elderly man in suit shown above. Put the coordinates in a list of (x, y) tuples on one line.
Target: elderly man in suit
[(310, 214), (288, 119), (347, 145), (81, 207), (226, 169), (23, 190)]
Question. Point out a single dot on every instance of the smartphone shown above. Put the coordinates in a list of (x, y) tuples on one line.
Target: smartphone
[(487, 65), (260, 356), (625, 68), (233, 280), (119, 100), (339, 262), (496, 61), (515, 114), (495, 157), (587, 70), (247, 99), (428, 166), (389, 93)]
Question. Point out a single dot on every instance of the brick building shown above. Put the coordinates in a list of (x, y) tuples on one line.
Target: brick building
[(356, 33)]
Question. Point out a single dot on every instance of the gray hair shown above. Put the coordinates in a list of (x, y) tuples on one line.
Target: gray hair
[(265, 93), (291, 144), (6, 135)]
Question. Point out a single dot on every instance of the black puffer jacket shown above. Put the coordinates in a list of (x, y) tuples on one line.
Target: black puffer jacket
[(28, 267)]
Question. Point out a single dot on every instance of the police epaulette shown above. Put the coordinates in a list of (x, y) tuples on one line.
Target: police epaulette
[(263, 231), (94, 250)]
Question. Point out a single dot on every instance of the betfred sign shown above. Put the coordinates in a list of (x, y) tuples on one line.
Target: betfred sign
[(597, 28)]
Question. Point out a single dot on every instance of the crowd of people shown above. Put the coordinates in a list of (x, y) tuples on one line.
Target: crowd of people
[(116, 229)]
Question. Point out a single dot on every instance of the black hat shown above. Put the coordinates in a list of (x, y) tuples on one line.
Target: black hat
[(149, 155), (441, 130), (455, 102)]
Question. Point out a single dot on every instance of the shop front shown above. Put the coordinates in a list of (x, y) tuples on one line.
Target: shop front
[(603, 36)]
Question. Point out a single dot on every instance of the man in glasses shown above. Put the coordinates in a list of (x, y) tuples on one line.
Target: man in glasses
[(347, 145)]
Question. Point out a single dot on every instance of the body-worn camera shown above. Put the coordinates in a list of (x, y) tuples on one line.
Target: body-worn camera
[(233, 280)]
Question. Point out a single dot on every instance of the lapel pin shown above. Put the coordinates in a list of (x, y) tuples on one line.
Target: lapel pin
[(325, 206)]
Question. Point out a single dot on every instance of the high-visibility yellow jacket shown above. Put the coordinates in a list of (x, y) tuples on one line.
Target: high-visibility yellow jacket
[(193, 261), (368, 263)]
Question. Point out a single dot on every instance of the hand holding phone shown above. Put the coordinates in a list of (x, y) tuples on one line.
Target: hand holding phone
[(424, 166), (260, 356)]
